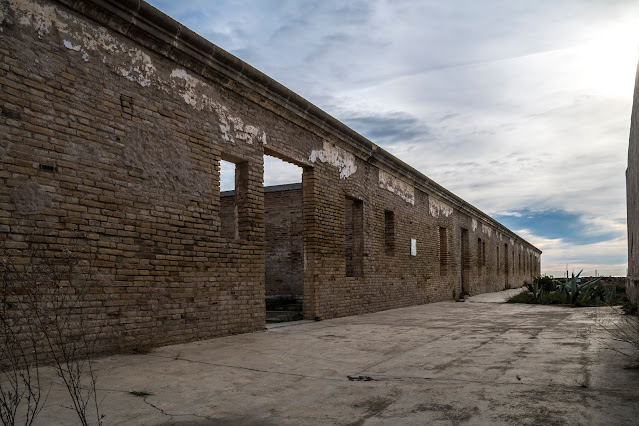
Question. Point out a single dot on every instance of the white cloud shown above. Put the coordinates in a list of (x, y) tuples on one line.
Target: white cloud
[(604, 258)]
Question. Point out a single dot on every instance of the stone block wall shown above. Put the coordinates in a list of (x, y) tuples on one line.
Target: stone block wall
[(114, 121)]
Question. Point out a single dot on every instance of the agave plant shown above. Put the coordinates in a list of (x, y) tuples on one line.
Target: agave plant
[(546, 290), (536, 289), (542, 287), (574, 291)]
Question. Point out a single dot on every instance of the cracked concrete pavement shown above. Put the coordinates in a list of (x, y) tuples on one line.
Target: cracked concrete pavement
[(450, 363)]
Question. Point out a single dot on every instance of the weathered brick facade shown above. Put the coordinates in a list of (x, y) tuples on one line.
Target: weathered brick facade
[(632, 199), (114, 121), (283, 240)]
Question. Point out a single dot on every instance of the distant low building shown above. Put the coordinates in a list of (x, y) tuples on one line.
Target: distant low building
[(632, 188)]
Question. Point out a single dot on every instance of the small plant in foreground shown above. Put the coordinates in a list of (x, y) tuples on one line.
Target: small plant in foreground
[(20, 390), (624, 327), (42, 318)]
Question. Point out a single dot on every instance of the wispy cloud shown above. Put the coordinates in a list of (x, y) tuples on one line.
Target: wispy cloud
[(604, 258), (571, 228), (389, 128)]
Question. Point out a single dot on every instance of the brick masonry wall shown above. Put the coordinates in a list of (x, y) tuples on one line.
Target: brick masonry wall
[(111, 134), (632, 192), (283, 240)]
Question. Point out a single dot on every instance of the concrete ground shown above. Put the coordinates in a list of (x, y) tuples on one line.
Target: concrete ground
[(444, 363)]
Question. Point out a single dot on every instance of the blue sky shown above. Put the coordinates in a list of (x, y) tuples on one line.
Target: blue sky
[(520, 108)]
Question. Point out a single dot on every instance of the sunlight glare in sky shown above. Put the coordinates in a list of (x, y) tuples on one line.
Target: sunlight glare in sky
[(607, 67)]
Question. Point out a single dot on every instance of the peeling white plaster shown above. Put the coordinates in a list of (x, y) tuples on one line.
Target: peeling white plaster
[(70, 45), (99, 38), (41, 18), (473, 224), (487, 230), (512, 242), (190, 83), (142, 69), (135, 66), (248, 134), (389, 182), (232, 128), (335, 156), (131, 63), (439, 208)]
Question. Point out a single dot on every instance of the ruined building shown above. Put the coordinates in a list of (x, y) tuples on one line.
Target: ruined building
[(114, 122), (632, 199)]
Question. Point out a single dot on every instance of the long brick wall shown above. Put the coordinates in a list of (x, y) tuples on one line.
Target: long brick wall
[(114, 121)]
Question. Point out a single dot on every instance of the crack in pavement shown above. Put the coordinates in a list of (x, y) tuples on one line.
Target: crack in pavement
[(211, 419), (248, 368)]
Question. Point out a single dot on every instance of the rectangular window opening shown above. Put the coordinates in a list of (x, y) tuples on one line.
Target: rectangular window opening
[(465, 260), (483, 253), (506, 259), (353, 236), (443, 251), (519, 262), (228, 205), (283, 239), (389, 233), (479, 255), (531, 266), (233, 192)]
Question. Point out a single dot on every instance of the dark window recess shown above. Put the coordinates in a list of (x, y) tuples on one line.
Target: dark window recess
[(389, 233), (353, 236), (47, 167), (9, 113), (443, 252), (483, 253), (465, 260)]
